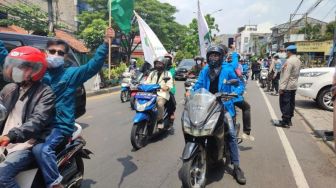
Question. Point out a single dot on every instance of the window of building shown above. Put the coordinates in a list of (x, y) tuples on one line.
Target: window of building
[(246, 39)]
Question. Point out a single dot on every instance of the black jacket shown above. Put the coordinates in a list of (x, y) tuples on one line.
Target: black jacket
[(37, 112)]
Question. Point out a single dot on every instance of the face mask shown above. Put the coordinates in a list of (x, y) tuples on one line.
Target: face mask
[(17, 75), (55, 61), (213, 64)]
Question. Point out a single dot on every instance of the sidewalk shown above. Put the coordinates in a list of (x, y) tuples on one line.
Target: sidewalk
[(102, 91), (319, 120)]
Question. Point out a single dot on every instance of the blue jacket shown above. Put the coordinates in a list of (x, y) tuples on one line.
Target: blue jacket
[(64, 83), (238, 89), (3, 52), (226, 73)]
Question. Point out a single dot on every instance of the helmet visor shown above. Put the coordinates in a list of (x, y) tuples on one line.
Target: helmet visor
[(18, 70)]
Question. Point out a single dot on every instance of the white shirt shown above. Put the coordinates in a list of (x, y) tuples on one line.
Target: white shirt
[(15, 120)]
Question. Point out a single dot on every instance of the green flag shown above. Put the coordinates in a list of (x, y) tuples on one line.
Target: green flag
[(122, 13)]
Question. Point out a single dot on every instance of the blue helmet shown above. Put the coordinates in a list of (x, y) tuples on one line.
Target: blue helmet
[(292, 49)]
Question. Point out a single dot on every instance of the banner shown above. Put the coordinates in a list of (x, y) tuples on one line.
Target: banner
[(122, 13), (314, 46), (151, 45), (203, 32)]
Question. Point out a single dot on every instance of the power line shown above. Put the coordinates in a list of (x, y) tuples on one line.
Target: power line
[(297, 8), (329, 12)]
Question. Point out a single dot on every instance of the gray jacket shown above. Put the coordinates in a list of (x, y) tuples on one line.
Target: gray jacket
[(37, 112), (290, 73)]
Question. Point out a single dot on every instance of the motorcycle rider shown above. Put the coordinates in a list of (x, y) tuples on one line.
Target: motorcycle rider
[(28, 106), (212, 78), (171, 104), (196, 69), (64, 83), (157, 77), (240, 101)]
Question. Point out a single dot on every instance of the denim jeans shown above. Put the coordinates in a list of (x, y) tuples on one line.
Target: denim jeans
[(15, 162), (233, 144), (45, 156)]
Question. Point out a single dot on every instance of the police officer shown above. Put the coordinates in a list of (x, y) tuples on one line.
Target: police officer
[(288, 85)]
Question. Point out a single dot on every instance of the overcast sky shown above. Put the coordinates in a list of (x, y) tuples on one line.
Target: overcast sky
[(265, 13)]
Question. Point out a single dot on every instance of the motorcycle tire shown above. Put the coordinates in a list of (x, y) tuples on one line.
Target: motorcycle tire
[(138, 139), (188, 180), (124, 96)]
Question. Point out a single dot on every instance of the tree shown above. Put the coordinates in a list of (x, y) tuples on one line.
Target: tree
[(190, 41), (159, 16), (93, 34), (329, 33), (312, 32), (29, 17)]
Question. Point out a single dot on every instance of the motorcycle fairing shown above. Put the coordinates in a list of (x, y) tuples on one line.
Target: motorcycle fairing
[(139, 117)]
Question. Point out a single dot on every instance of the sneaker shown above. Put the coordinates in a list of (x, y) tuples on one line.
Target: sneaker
[(247, 137), (283, 124), (239, 175)]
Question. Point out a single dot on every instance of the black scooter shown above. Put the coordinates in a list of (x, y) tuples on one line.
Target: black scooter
[(205, 128)]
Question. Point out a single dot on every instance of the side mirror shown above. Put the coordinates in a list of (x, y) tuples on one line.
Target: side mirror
[(166, 79)]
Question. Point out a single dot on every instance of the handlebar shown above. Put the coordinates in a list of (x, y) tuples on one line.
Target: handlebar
[(226, 96)]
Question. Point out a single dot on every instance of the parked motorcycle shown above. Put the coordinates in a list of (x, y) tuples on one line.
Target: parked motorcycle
[(70, 164), (263, 77), (145, 120), (205, 129)]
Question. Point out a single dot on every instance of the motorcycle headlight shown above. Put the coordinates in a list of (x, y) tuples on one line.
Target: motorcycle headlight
[(312, 74), (140, 107)]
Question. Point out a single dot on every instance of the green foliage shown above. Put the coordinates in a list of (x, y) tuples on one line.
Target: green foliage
[(93, 34), (116, 72), (140, 62), (313, 32), (183, 55), (329, 34), (30, 17)]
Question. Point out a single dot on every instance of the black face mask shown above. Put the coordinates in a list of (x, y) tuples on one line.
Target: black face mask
[(159, 68), (213, 64), (214, 73)]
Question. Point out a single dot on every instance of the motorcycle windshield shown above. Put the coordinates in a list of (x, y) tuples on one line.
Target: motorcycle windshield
[(148, 87), (199, 105)]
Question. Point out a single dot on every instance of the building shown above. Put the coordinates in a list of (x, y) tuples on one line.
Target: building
[(65, 11), (258, 43), (226, 39), (284, 34), (249, 39)]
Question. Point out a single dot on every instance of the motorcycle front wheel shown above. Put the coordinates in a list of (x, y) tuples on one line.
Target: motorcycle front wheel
[(194, 170), (139, 135), (124, 96)]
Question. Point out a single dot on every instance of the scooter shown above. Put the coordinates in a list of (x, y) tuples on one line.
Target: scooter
[(205, 128), (145, 120), (134, 87), (70, 164), (263, 77), (126, 82)]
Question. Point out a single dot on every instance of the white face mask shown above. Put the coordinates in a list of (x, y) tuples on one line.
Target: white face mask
[(55, 61), (17, 75)]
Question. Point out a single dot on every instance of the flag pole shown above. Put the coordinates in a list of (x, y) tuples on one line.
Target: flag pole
[(109, 42)]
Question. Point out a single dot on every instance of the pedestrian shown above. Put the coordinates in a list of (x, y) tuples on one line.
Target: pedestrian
[(288, 84), (276, 75), (255, 70)]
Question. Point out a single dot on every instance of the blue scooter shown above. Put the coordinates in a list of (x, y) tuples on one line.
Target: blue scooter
[(145, 120)]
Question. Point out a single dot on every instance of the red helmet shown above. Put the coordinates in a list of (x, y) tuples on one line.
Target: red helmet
[(25, 64)]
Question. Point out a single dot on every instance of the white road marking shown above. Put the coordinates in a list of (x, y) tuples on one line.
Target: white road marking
[(299, 177)]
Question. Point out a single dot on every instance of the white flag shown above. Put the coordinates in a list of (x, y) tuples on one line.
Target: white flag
[(203, 32), (151, 45)]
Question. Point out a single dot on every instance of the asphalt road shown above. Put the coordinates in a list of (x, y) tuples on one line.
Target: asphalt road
[(283, 158)]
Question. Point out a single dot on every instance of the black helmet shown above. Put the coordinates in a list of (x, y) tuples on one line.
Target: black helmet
[(225, 48), (199, 58), (160, 60), (218, 50)]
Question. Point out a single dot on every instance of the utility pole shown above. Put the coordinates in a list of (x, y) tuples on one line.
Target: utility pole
[(50, 16)]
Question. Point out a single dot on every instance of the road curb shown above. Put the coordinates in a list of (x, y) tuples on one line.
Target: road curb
[(103, 91), (330, 145)]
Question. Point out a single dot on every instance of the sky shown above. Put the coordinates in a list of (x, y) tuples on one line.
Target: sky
[(264, 13)]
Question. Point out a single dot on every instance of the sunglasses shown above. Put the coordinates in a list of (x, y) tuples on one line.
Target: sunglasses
[(59, 52)]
